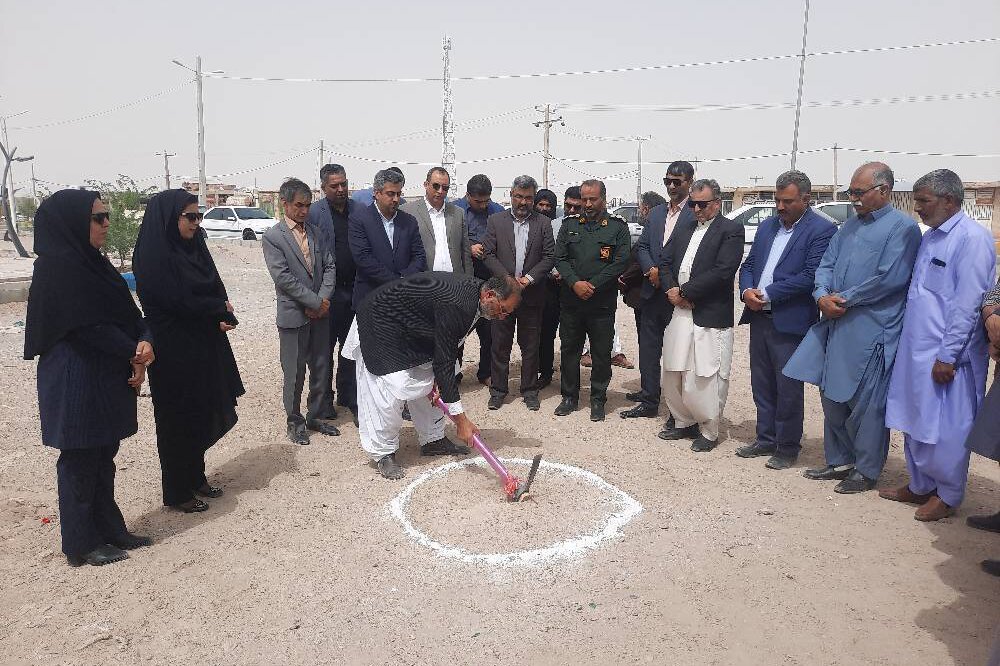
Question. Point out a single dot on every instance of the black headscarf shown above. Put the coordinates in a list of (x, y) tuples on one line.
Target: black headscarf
[(550, 196), (175, 276), (72, 284)]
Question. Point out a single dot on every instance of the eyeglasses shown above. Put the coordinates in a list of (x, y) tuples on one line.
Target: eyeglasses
[(676, 182), (193, 217), (100, 218), (857, 194), (438, 187), (700, 204)]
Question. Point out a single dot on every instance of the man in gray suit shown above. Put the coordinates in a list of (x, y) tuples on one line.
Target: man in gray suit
[(442, 226), (300, 260)]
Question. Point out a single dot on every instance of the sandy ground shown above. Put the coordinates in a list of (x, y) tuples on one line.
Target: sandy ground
[(301, 561)]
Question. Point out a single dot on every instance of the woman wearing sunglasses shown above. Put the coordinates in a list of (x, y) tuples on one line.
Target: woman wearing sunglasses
[(195, 382), (94, 348)]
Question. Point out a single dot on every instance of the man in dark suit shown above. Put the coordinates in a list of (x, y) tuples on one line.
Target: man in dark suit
[(300, 262), (385, 241), (696, 275), (653, 305), (519, 245), (776, 283), (330, 214), (405, 340)]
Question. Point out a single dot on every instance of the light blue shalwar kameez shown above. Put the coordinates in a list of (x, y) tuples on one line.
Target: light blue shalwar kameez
[(868, 263), (955, 266)]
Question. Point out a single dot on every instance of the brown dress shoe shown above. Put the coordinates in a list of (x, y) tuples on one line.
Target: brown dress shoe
[(904, 494), (621, 361), (934, 509)]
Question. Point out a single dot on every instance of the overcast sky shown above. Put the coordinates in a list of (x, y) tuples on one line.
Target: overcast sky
[(62, 60)]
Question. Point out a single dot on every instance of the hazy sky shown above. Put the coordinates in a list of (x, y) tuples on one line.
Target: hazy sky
[(63, 59)]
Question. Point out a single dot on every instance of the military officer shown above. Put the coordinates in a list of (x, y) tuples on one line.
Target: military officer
[(591, 252)]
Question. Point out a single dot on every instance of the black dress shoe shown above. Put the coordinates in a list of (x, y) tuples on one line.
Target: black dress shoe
[(531, 401), (690, 432), (597, 412), (640, 411), (755, 450), (297, 434), (443, 447), (856, 482), (495, 402), (828, 473), (780, 462), (988, 523), (635, 396), (991, 567), (702, 444), (129, 541), (105, 554), (567, 406), (389, 468), (323, 428)]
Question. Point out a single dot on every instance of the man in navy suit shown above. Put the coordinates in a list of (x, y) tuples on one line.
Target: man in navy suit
[(385, 241), (661, 222), (776, 283)]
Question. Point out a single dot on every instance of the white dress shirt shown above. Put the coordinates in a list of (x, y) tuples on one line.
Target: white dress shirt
[(442, 256)]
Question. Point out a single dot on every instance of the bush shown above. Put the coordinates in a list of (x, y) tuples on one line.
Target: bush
[(124, 199)]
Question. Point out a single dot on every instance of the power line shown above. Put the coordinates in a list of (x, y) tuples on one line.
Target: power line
[(613, 70), (763, 106), (916, 153), (108, 111)]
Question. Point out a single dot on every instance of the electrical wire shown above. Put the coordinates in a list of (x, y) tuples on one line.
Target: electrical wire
[(763, 106), (613, 70), (108, 111)]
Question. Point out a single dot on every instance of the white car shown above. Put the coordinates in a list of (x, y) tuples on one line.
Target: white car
[(630, 213), (751, 215), (238, 222)]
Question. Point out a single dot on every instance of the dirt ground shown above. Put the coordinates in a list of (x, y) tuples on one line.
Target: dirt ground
[(301, 562)]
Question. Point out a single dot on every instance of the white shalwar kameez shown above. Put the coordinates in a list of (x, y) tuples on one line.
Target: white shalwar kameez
[(381, 400), (696, 361)]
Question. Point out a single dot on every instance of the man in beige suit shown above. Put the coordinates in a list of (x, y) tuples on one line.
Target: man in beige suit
[(442, 226)]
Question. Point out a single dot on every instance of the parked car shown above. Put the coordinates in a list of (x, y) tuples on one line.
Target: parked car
[(630, 213), (751, 215), (241, 222)]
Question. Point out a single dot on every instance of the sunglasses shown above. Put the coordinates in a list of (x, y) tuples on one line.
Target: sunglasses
[(857, 194), (193, 217), (699, 204), (100, 218), (676, 182), (573, 207), (439, 187)]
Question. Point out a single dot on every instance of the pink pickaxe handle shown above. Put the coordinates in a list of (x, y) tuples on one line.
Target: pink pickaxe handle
[(510, 482)]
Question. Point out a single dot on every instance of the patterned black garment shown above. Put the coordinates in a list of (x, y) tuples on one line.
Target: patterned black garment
[(419, 319)]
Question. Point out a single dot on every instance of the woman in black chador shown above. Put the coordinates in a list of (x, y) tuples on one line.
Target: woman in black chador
[(195, 382), (94, 349)]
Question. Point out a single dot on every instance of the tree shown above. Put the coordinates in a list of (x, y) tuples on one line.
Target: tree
[(124, 198)]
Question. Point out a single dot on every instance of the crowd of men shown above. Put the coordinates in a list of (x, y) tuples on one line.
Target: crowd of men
[(896, 328)]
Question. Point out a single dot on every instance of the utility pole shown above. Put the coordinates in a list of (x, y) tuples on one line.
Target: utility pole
[(802, 77), (638, 178), (547, 123), (202, 184), (322, 163), (756, 179), (448, 115), (34, 184), (835, 185), (166, 165)]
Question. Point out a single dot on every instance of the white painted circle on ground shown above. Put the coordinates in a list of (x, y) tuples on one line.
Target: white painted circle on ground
[(607, 529)]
